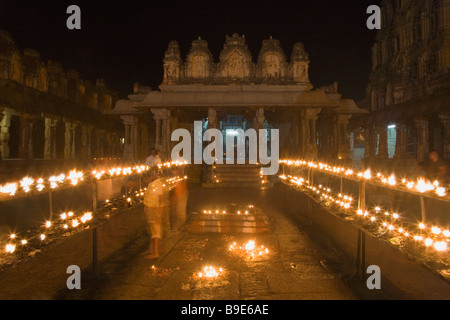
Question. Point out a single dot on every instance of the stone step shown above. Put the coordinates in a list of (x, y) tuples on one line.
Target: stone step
[(193, 228), (236, 185), (237, 165), (236, 174), (239, 179), (231, 169), (229, 223)]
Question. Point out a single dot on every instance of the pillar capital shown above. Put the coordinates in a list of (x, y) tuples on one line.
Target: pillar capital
[(422, 138), (311, 113), (160, 114), (129, 120), (343, 118)]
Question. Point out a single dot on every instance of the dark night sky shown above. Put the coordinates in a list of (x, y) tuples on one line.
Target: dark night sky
[(124, 41)]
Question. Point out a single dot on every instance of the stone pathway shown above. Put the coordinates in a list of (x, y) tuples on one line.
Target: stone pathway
[(292, 270)]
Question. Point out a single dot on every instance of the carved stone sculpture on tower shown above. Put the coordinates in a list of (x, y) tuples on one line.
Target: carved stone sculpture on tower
[(235, 59), (172, 63), (299, 63), (271, 60), (199, 60)]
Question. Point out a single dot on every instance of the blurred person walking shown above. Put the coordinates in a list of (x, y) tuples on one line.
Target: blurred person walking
[(153, 201), (181, 194), (438, 169)]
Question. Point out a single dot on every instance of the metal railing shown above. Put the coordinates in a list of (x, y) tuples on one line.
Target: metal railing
[(309, 177)]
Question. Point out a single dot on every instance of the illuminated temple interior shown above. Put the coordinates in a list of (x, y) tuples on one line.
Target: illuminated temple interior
[(88, 175)]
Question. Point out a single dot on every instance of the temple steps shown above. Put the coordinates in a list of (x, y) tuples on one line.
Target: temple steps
[(237, 176), (230, 223)]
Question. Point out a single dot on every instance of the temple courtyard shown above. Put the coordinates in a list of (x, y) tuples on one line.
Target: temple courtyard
[(301, 263)]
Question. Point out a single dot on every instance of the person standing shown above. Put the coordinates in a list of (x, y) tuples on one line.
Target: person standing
[(149, 159), (153, 201), (156, 161), (438, 169)]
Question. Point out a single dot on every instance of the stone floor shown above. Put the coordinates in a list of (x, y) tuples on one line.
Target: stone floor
[(292, 270)]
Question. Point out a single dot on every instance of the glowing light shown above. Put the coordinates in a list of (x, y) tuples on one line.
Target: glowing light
[(423, 186), (75, 223), (10, 248), (9, 188), (440, 191), (367, 174), (422, 226), (440, 245), (25, 183), (250, 245), (249, 250), (12, 236), (436, 230), (210, 272), (428, 242), (74, 176), (392, 181), (48, 224), (42, 237), (23, 242), (40, 184), (86, 217)]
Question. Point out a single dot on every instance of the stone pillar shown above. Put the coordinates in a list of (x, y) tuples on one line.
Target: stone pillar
[(117, 146), (68, 140), (400, 144), (90, 142), (260, 118), (445, 118), (309, 132), (340, 136), (26, 139), (422, 139), (84, 142), (158, 134), (382, 143), (295, 146), (130, 123), (50, 139), (369, 149), (106, 144), (212, 119), (4, 133), (73, 148), (166, 151), (101, 143), (163, 131), (303, 134)]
